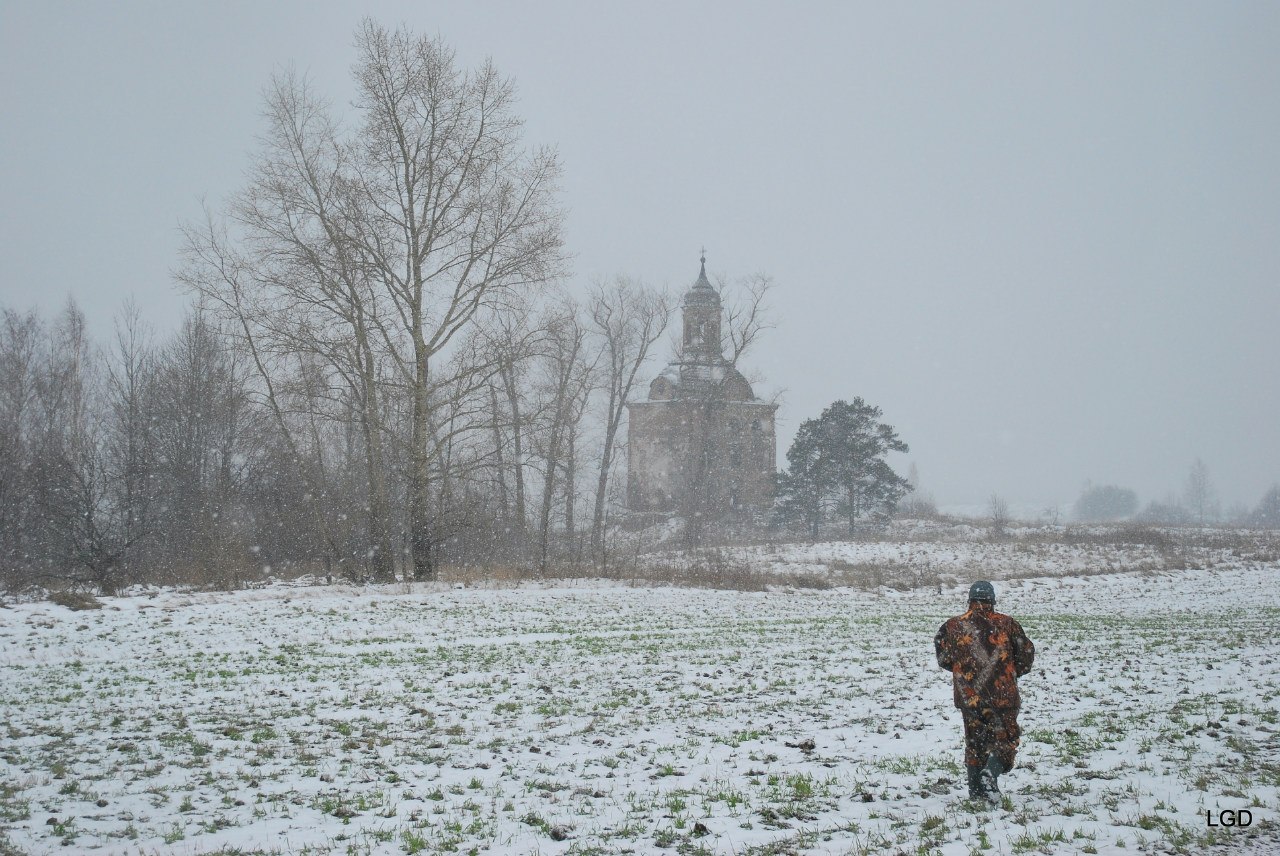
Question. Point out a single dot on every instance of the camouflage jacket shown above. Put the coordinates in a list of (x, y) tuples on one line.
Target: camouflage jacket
[(986, 652)]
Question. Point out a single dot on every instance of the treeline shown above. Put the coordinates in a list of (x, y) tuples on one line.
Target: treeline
[(1197, 505), (184, 459)]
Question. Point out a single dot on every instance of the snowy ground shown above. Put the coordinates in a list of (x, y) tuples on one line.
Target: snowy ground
[(601, 718), (919, 553)]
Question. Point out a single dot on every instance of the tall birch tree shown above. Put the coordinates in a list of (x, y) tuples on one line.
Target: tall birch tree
[(378, 246)]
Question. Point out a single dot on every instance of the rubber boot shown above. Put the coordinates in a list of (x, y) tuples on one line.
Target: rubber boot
[(977, 792), (989, 776)]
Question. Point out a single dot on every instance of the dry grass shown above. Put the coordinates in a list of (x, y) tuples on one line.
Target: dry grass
[(74, 600), (1123, 547)]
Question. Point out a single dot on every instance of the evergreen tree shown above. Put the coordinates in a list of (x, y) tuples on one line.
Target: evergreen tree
[(808, 480), (857, 442), (837, 462)]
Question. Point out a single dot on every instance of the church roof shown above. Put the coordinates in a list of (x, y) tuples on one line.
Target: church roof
[(697, 380), (702, 292)]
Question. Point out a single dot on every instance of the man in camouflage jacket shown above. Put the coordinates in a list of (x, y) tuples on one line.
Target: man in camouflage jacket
[(986, 652)]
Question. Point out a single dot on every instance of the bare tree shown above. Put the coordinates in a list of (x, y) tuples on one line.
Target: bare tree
[(628, 318), (568, 376), (20, 335), (270, 318), (84, 526), (1266, 515), (1199, 496), (514, 337), (456, 213), (917, 502), (746, 313), (130, 449), (460, 397), (74, 427), (375, 248), (998, 514), (302, 287), (200, 408)]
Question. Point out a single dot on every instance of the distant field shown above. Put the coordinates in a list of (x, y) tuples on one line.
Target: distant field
[(923, 553), (601, 718)]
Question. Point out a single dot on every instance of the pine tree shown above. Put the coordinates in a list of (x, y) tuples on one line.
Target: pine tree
[(803, 488), (837, 462), (857, 442)]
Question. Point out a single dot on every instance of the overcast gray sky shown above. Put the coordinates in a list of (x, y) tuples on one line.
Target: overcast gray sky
[(1045, 239)]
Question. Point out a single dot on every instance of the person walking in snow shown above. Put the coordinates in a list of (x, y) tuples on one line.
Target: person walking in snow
[(986, 652)]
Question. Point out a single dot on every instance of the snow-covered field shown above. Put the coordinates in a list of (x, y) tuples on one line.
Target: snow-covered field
[(587, 717), (920, 553)]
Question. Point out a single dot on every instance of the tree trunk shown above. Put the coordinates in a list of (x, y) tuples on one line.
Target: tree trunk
[(517, 449), (504, 501), (382, 559), (548, 497), (420, 477), (602, 492), (569, 475)]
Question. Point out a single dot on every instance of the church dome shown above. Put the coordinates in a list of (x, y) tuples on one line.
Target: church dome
[(717, 380)]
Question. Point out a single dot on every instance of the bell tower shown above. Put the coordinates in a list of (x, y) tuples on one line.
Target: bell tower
[(701, 310)]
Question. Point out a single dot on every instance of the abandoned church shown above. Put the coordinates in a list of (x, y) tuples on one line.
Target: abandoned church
[(702, 444)]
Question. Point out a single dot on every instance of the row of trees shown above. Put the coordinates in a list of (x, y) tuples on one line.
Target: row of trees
[(98, 456), (1197, 504), (181, 458)]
